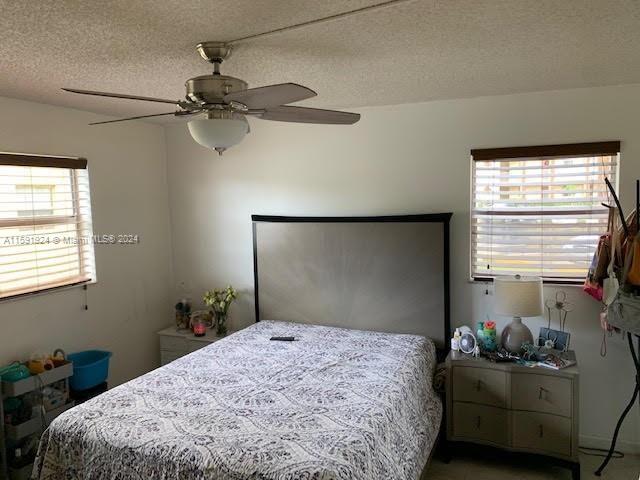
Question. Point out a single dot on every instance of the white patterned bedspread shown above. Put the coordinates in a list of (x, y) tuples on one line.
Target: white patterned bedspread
[(334, 404)]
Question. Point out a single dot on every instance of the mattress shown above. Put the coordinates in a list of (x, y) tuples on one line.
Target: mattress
[(334, 404)]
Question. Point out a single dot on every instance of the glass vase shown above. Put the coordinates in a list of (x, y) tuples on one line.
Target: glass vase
[(221, 324)]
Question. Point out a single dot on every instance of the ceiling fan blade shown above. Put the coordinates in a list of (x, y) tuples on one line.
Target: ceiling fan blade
[(308, 115), (119, 95), (270, 96), (141, 116)]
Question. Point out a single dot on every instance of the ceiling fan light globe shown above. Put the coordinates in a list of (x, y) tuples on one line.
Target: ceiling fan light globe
[(218, 133)]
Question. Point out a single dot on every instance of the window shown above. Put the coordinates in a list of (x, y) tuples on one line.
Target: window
[(37, 199), (45, 223), (538, 210)]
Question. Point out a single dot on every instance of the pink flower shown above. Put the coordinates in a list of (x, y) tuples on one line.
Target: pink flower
[(490, 325)]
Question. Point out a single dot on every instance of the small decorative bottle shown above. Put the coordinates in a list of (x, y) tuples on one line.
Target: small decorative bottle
[(455, 341)]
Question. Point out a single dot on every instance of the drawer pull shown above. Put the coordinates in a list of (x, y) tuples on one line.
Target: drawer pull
[(542, 395), (479, 385), (478, 421), (540, 431)]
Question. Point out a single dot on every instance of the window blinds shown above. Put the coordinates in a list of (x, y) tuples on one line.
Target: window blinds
[(538, 210), (45, 223)]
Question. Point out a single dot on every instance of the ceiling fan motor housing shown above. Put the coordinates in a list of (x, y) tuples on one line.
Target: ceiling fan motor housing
[(214, 52), (212, 88)]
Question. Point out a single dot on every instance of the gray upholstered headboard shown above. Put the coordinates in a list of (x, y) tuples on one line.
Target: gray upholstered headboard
[(371, 273)]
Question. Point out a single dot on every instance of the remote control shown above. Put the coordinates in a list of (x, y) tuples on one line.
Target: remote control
[(283, 339)]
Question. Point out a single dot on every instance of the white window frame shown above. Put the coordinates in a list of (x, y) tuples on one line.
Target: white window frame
[(611, 148), (77, 219)]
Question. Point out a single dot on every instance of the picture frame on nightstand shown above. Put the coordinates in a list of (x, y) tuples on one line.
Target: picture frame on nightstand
[(554, 339)]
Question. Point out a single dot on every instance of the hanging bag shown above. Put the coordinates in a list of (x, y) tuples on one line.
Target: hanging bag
[(624, 312), (593, 284), (633, 275), (610, 284)]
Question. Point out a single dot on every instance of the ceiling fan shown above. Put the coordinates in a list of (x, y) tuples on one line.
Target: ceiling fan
[(225, 102)]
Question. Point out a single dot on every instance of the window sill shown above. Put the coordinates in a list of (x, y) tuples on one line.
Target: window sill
[(46, 291), (549, 283)]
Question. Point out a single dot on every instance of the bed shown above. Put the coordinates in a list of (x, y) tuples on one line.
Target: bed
[(337, 403), (334, 404)]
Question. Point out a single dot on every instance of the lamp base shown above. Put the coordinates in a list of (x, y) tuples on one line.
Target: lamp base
[(515, 334)]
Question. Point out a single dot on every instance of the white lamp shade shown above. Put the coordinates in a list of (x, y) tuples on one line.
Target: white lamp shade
[(219, 133), (518, 296)]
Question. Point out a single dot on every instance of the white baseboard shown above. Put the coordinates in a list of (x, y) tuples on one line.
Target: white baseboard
[(589, 441)]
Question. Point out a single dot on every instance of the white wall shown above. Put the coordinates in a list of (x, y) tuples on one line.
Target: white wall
[(399, 159), (131, 300)]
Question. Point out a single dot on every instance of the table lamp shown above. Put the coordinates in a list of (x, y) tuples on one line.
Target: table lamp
[(517, 297)]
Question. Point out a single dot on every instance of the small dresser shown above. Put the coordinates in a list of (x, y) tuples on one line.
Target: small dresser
[(515, 408), (177, 343)]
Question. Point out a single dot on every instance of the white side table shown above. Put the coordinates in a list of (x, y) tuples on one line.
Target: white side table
[(177, 343), (515, 408)]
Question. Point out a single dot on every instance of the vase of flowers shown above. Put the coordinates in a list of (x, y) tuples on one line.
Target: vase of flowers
[(219, 301)]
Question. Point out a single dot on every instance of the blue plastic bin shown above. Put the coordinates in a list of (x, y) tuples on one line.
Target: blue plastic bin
[(90, 368)]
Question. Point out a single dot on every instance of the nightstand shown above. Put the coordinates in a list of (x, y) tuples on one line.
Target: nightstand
[(177, 343), (514, 408)]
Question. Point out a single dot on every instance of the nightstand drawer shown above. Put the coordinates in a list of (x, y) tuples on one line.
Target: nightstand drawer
[(479, 422), (479, 385), (541, 393), (168, 357), (194, 345), (542, 432), (173, 344)]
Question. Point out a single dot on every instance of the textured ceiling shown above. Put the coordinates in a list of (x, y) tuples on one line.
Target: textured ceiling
[(416, 51)]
